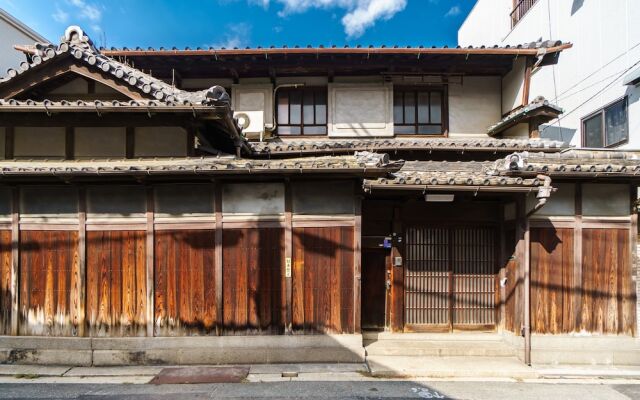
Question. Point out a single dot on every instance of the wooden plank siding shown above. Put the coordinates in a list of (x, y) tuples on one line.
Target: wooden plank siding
[(185, 284), (605, 289), (5, 282), (116, 284), (253, 281), (323, 280), (49, 284)]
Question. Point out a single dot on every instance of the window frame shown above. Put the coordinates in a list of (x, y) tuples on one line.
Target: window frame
[(603, 113), (444, 109), (314, 89)]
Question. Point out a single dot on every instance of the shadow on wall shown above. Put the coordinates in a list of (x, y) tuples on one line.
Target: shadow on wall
[(577, 5), (555, 132)]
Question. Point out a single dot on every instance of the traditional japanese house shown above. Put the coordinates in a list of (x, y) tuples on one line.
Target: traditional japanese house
[(272, 204)]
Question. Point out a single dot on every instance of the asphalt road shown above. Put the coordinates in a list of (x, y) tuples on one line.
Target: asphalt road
[(323, 390)]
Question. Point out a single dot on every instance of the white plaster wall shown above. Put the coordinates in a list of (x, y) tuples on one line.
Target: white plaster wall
[(10, 35), (253, 97), (513, 86), (360, 109), (606, 42), (474, 105)]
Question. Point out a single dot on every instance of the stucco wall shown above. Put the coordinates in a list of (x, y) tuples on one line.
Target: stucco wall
[(362, 109), (474, 105)]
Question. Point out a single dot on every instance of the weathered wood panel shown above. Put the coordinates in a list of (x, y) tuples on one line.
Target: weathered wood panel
[(253, 280), (5, 282), (552, 284), (512, 319), (608, 300), (323, 279), (116, 283), (185, 286), (49, 283)]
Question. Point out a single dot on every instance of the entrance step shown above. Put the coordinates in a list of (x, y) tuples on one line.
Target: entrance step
[(437, 345)]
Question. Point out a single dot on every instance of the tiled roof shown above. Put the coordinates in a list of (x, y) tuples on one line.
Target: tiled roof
[(335, 146), (539, 107), (526, 48), (360, 163), (101, 105), (77, 45), (422, 175), (578, 163)]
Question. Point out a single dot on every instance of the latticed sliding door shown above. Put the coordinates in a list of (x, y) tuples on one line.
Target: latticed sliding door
[(449, 277)]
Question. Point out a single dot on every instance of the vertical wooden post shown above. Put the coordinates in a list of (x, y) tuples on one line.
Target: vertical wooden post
[(150, 263), (69, 143), (633, 257), (130, 139), (502, 273), (357, 264), (15, 260), (527, 293), (527, 81), (217, 190), (397, 274), (288, 255), (82, 260), (577, 258)]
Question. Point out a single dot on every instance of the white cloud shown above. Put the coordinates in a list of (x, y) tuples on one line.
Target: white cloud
[(453, 11), (60, 15), (237, 35), (360, 14), (86, 10)]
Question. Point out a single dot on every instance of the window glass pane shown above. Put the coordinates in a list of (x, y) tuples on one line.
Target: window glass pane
[(397, 107), (253, 198), (605, 199), (423, 107), (183, 200), (593, 131), (295, 107), (307, 110), (289, 130), (409, 108), (323, 198), (430, 129), (405, 129), (283, 107), (48, 202), (116, 201), (616, 123), (436, 107), (321, 106), (315, 130)]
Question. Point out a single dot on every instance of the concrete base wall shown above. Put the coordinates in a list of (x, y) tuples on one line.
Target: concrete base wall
[(181, 350), (578, 350)]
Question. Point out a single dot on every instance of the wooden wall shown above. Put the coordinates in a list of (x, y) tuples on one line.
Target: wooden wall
[(253, 280), (49, 283), (323, 279), (185, 298), (116, 283), (596, 297), (5, 282)]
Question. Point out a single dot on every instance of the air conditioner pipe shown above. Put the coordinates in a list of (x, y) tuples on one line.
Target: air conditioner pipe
[(274, 125)]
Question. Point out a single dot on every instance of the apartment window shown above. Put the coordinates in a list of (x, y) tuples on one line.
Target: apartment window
[(608, 127), (418, 111), (520, 8), (302, 111)]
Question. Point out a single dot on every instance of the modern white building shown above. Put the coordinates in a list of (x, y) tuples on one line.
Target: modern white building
[(12, 32), (596, 82)]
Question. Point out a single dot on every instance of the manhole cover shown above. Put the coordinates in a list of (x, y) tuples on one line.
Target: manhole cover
[(201, 375)]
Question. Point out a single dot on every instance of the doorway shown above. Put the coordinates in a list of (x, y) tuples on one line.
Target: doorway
[(375, 288)]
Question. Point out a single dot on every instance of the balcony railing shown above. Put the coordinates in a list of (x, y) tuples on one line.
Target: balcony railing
[(520, 8)]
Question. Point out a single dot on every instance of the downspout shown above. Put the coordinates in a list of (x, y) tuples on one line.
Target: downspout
[(544, 192), (274, 125)]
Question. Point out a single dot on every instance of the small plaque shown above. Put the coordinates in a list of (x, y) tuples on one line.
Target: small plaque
[(287, 267)]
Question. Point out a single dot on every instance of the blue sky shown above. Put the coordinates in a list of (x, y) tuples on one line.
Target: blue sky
[(231, 23)]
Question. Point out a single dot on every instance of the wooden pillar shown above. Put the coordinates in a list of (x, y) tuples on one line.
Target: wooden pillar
[(633, 256), (150, 263), (15, 260), (130, 141), (217, 190), (288, 255), (397, 273), (577, 257), (527, 81), (527, 293), (357, 264), (69, 143), (502, 274), (82, 260)]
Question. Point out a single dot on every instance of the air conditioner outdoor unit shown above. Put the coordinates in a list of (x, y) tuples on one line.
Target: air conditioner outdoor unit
[(251, 122)]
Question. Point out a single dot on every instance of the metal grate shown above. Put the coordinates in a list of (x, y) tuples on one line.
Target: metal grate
[(520, 8)]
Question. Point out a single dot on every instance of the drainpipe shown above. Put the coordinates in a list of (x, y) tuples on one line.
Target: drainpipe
[(544, 192)]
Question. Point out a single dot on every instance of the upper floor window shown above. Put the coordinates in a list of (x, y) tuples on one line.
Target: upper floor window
[(302, 111), (520, 8), (607, 127), (418, 111)]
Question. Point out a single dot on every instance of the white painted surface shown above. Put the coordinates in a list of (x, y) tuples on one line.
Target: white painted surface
[(360, 110), (513, 86), (253, 97), (474, 105), (13, 32), (606, 42)]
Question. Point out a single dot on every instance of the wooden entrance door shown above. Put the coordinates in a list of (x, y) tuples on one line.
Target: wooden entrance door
[(450, 278), (375, 263)]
